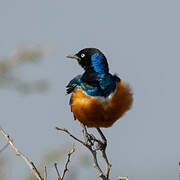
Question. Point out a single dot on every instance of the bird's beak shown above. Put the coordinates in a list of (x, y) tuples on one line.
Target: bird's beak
[(73, 57)]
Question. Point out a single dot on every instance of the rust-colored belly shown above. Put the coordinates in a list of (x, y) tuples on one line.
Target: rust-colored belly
[(96, 112)]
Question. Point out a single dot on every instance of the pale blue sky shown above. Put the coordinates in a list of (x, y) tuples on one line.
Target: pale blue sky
[(141, 40)]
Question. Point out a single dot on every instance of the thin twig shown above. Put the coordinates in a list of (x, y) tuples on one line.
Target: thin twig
[(66, 131), (108, 165), (45, 173), (94, 153), (96, 164), (67, 162), (104, 156), (65, 166), (90, 147), (29, 163), (57, 171)]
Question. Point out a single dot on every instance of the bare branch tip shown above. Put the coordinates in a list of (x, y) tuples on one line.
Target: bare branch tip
[(45, 173), (57, 172), (29, 163)]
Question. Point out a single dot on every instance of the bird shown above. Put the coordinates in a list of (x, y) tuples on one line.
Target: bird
[(98, 98)]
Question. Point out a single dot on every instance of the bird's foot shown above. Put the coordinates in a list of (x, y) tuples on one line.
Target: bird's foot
[(91, 139), (101, 145)]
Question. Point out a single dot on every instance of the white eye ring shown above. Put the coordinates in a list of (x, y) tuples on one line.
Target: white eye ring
[(82, 55)]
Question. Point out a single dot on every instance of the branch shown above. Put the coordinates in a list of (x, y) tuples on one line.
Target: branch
[(66, 131), (57, 171), (108, 165), (29, 163), (104, 156), (67, 162), (89, 143), (65, 167), (45, 173)]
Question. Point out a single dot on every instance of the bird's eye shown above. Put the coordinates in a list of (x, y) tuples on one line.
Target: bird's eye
[(82, 55)]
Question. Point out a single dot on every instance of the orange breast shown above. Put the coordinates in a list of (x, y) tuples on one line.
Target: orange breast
[(98, 112)]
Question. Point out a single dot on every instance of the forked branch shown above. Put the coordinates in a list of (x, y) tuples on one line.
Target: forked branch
[(27, 161), (31, 164), (65, 166), (89, 142)]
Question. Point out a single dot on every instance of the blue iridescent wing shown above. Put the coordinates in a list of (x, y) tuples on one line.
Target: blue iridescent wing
[(107, 83), (73, 84)]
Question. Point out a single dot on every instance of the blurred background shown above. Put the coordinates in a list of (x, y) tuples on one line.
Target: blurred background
[(141, 40)]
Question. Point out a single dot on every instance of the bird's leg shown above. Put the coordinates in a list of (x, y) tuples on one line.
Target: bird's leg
[(102, 144), (104, 140), (84, 131), (88, 137)]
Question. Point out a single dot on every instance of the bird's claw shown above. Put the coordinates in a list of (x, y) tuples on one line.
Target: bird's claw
[(101, 145), (90, 139)]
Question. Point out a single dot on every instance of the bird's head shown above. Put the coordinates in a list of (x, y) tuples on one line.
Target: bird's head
[(91, 58)]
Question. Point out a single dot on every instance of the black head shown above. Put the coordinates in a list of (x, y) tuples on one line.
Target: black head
[(91, 58)]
